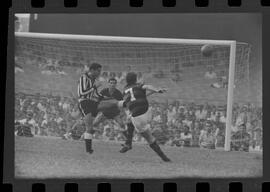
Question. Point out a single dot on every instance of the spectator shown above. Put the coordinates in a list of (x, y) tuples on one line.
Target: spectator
[(204, 112), (140, 77), (176, 140), (220, 133), (112, 75), (66, 106), (207, 137), (28, 125), (171, 113), (119, 77), (186, 137), (127, 71), (210, 74), (240, 139), (222, 118), (148, 74), (242, 116), (41, 107), (188, 120), (256, 135), (219, 84), (224, 79)]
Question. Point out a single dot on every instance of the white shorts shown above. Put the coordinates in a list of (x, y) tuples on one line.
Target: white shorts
[(142, 122)]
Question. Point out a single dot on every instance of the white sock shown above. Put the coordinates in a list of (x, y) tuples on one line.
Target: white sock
[(88, 136)]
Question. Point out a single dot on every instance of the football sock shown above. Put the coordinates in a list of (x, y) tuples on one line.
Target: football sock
[(158, 150), (88, 145), (130, 131), (88, 142)]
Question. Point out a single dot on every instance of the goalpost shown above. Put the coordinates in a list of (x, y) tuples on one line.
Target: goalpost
[(163, 54)]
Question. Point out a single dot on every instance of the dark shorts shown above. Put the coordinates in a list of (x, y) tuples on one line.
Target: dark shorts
[(88, 106), (109, 108), (138, 107)]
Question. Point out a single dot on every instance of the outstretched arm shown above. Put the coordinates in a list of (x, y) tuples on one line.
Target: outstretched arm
[(153, 89)]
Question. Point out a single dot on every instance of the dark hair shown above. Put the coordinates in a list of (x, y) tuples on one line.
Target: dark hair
[(112, 79), (131, 78), (94, 66)]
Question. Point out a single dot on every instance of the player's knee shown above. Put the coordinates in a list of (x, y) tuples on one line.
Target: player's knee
[(88, 120), (88, 135), (148, 136), (98, 119)]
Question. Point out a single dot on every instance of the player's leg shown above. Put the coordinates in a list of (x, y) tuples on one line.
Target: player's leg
[(142, 126), (68, 133), (88, 136), (88, 110), (98, 119), (129, 136)]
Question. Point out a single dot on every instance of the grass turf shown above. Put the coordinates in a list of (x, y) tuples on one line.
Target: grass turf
[(42, 157)]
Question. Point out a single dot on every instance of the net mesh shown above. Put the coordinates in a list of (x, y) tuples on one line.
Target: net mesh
[(189, 75)]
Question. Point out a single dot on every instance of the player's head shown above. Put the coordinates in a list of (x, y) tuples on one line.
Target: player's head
[(131, 78), (112, 82), (94, 69)]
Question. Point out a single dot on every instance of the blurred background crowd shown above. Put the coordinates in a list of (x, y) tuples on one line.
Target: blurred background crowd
[(174, 123)]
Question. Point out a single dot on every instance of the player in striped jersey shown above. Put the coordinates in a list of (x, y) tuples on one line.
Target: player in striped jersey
[(89, 100)]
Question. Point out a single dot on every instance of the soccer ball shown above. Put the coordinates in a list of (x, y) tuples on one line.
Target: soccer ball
[(207, 50)]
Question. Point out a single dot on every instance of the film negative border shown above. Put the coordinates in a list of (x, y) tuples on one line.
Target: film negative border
[(237, 184), (139, 3), (140, 187)]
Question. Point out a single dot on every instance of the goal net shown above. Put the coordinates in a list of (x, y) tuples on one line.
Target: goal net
[(53, 63)]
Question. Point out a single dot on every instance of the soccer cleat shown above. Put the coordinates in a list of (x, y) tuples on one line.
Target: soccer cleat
[(159, 152), (166, 159), (125, 148), (90, 151)]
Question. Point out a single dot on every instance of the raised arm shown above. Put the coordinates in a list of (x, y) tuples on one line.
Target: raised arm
[(153, 89)]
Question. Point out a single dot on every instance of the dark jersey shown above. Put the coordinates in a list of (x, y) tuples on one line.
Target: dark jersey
[(108, 106), (116, 94), (135, 99)]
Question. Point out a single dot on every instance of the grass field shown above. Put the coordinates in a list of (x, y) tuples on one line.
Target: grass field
[(42, 157)]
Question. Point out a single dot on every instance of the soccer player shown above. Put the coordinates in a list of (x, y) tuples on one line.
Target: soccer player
[(135, 100), (88, 100), (108, 108)]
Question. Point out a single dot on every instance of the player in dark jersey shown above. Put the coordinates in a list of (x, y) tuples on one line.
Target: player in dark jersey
[(109, 109), (135, 100), (108, 94), (89, 100)]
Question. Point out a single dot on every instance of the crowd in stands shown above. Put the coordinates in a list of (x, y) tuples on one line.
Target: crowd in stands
[(175, 123)]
